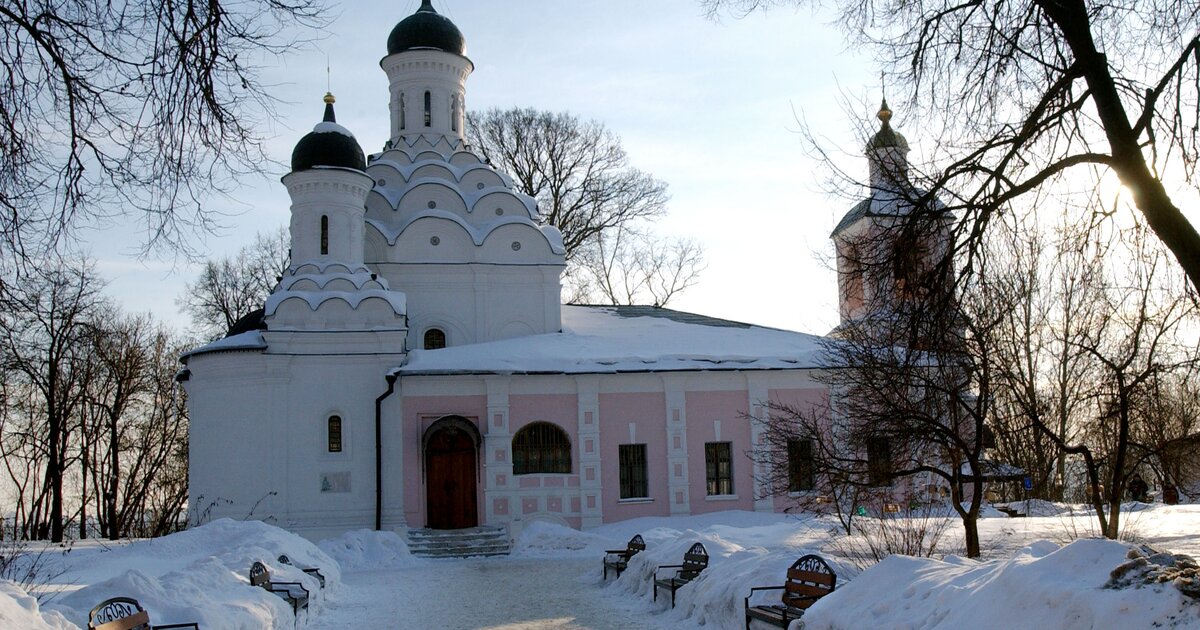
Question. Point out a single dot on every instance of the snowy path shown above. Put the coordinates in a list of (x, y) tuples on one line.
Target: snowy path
[(498, 593)]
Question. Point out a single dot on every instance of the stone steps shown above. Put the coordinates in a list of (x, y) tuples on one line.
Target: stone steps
[(458, 543)]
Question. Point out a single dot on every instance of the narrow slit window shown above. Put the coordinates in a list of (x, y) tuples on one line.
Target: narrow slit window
[(324, 235), (454, 114), (428, 109), (402, 113), (335, 434)]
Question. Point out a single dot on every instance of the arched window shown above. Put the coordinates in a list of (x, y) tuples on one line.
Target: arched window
[(428, 109), (454, 113), (541, 447), (324, 235), (435, 339), (402, 112), (334, 427)]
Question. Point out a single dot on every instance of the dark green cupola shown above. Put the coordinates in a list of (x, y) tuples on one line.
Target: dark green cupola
[(328, 145), (426, 30)]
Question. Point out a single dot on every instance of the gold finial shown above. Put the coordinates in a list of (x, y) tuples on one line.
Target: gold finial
[(885, 114), (329, 99)]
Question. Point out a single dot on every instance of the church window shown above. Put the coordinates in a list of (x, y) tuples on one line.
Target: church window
[(435, 338), (718, 467), (324, 235), (428, 109), (541, 447), (800, 465), (335, 434), (403, 114), (879, 461), (454, 114), (632, 463)]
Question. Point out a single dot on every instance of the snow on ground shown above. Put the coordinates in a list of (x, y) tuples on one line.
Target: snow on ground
[(1032, 576), (199, 575), (1042, 586)]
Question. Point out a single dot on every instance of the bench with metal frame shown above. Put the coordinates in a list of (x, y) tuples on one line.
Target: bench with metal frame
[(261, 577), (694, 561), (618, 559), (126, 613), (808, 579), (313, 571)]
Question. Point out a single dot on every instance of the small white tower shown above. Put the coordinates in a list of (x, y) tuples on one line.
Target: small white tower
[(427, 71), (328, 187)]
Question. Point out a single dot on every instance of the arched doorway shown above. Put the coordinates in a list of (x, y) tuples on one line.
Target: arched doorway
[(451, 453)]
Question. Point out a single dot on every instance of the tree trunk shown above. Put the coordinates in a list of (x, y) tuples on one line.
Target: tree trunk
[(971, 533), (114, 526), (53, 463), (1128, 161)]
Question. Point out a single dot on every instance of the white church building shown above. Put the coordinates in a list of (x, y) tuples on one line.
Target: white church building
[(415, 368)]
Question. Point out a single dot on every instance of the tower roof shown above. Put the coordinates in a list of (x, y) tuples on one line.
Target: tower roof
[(426, 29), (328, 144), (886, 136)]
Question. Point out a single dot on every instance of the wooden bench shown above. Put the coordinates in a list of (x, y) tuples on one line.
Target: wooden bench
[(618, 559), (694, 561), (125, 613), (260, 576), (313, 571), (808, 580)]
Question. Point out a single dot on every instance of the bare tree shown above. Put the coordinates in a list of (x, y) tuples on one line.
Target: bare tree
[(45, 321), (576, 169), (1043, 289), (1024, 95), (232, 287), (133, 109), (1136, 338), (626, 265), (584, 185)]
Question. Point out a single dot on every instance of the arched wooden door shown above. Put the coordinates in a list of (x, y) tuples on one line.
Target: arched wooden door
[(450, 499)]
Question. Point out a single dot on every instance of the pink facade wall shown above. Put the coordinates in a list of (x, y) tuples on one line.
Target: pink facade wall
[(704, 410), (647, 412), (812, 399), (553, 494), (419, 413), (559, 495)]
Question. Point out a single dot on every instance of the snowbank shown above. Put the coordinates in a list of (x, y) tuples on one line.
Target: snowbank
[(19, 610), (543, 539), (1042, 586), (745, 549), (365, 550), (200, 575)]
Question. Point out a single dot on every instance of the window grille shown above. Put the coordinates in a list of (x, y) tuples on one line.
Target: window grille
[(541, 447), (718, 464), (435, 339), (335, 434), (800, 465), (632, 464), (879, 461)]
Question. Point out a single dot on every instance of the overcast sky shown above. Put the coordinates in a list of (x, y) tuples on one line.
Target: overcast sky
[(708, 106)]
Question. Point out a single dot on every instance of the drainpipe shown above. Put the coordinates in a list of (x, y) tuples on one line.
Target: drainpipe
[(391, 381)]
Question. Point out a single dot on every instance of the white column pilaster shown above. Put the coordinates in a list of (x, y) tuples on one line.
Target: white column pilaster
[(674, 387), (590, 486), (498, 480)]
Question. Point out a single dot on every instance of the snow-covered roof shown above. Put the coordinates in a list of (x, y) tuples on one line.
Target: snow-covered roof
[(613, 339), (252, 340)]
